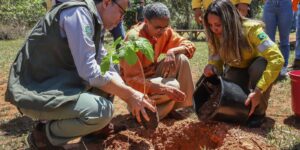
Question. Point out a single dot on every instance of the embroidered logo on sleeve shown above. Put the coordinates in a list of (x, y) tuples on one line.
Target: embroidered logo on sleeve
[(262, 36), (265, 45), (88, 31)]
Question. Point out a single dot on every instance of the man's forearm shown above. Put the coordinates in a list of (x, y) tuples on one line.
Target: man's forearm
[(118, 88)]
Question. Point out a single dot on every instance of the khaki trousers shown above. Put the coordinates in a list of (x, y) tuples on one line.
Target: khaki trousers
[(74, 119), (180, 78)]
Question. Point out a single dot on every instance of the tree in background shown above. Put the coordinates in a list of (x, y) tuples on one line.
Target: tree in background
[(17, 16), (257, 8), (22, 12), (181, 11)]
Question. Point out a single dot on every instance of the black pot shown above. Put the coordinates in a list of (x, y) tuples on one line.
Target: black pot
[(230, 105)]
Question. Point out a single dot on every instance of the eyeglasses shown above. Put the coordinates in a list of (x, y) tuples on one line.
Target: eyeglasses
[(157, 27), (123, 10)]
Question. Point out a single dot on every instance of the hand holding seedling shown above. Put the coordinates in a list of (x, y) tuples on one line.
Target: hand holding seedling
[(253, 98), (138, 103)]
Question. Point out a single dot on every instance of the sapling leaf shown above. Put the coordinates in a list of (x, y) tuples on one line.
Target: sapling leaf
[(130, 45), (117, 42), (105, 63), (115, 59), (121, 52), (127, 51), (130, 56), (146, 48)]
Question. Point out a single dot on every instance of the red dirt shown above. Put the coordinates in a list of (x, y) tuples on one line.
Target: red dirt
[(172, 134)]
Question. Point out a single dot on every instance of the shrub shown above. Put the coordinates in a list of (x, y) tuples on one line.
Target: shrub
[(22, 12)]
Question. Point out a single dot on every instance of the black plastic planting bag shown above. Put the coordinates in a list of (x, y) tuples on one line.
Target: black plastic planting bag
[(216, 98)]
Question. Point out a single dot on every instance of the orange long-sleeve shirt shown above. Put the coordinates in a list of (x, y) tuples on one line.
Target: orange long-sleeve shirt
[(132, 74), (295, 5)]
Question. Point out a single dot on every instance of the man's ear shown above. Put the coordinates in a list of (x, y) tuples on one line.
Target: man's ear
[(146, 21)]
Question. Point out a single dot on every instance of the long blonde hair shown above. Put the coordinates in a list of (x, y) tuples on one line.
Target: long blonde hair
[(233, 38)]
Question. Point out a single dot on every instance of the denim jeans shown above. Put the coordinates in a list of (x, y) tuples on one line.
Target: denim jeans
[(278, 13), (297, 49)]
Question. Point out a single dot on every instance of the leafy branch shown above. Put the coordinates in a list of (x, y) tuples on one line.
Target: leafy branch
[(128, 51)]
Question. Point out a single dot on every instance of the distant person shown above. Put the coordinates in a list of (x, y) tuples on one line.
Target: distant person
[(242, 5), (279, 14), (56, 76), (168, 81), (139, 15), (251, 58), (296, 63)]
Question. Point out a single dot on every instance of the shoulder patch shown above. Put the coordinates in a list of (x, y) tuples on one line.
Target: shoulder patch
[(262, 36), (265, 45), (88, 31)]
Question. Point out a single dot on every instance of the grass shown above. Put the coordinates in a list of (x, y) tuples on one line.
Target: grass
[(282, 135), (8, 51)]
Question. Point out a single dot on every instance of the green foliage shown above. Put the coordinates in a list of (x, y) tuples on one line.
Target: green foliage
[(127, 51), (257, 9), (129, 18), (21, 12), (181, 13)]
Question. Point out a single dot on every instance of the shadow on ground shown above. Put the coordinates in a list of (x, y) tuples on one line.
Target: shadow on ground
[(293, 121), (16, 126), (296, 147)]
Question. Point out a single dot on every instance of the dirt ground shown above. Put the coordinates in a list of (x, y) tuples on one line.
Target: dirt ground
[(188, 133)]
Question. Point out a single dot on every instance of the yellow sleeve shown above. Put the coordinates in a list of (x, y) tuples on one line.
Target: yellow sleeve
[(196, 4), (270, 51), (234, 2), (245, 1), (215, 59), (206, 3), (49, 4)]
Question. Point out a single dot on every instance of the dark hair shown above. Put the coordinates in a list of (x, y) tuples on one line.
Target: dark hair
[(233, 39), (156, 10)]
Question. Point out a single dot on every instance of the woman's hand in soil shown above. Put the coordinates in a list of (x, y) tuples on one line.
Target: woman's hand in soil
[(209, 70), (174, 93), (138, 104), (253, 98), (169, 63)]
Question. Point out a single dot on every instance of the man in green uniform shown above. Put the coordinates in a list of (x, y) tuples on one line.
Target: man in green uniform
[(56, 73)]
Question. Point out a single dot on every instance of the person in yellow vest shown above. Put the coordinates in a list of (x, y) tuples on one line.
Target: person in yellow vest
[(49, 4), (197, 5), (242, 52)]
